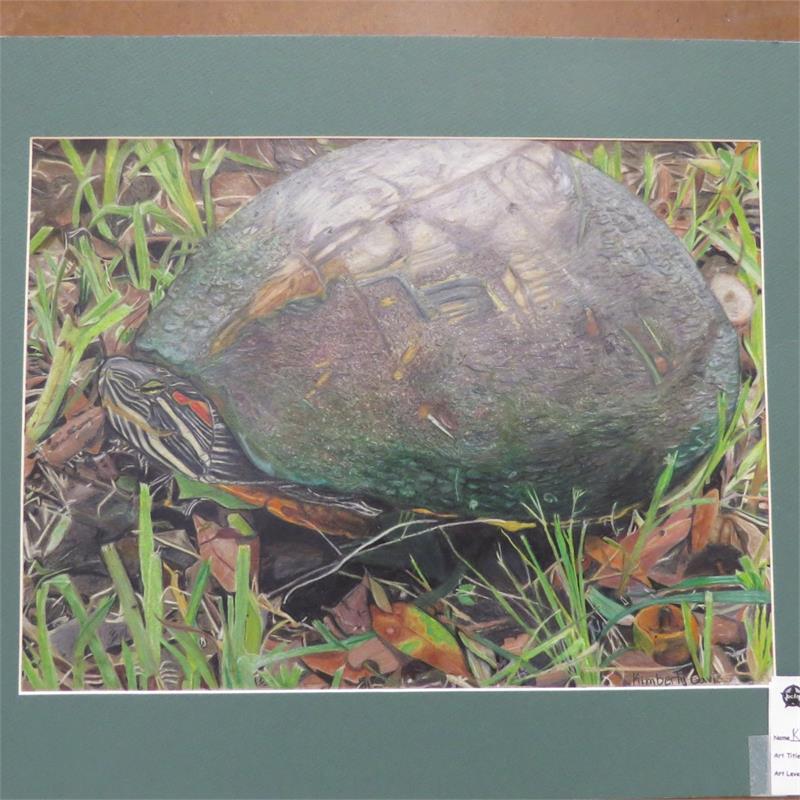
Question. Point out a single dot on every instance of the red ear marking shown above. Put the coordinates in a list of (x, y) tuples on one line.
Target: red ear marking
[(199, 407)]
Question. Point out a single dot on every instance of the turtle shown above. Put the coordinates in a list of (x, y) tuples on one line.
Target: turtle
[(454, 325)]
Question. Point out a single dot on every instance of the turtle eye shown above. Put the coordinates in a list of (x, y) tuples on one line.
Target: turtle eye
[(151, 387)]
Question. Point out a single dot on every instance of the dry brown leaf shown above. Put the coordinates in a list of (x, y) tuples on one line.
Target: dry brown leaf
[(233, 188), (751, 539), (68, 296), (553, 678), (379, 595), (330, 663), (375, 652), (351, 614), (104, 249), (74, 435), (610, 556), (724, 630), (220, 546), (703, 519), (665, 183), (76, 403), (312, 681), (516, 644)]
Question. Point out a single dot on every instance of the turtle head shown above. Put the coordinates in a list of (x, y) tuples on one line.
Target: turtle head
[(167, 419)]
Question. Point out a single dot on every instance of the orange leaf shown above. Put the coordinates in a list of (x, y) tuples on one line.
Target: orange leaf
[(703, 521), (610, 555), (659, 632), (329, 663), (420, 636)]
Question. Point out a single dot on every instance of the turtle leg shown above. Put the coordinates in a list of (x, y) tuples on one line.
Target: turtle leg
[(329, 519)]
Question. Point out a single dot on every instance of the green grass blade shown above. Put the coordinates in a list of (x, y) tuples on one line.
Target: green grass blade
[(740, 597), (130, 610), (197, 592), (130, 667), (242, 598), (164, 163), (32, 674), (140, 249), (691, 644), (648, 526), (64, 585), (198, 660), (88, 631), (40, 237), (247, 161), (46, 662), (708, 625), (151, 571)]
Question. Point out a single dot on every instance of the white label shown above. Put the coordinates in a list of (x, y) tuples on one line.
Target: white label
[(784, 735)]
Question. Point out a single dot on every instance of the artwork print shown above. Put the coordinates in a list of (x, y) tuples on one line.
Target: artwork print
[(332, 414)]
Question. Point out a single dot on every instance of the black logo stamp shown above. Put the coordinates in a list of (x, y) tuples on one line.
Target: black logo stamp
[(791, 695)]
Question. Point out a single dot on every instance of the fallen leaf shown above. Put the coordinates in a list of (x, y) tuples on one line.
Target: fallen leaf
[(73, 436), (610, 555), (379, 596), (104, 249), (233, 188), (220, 546), (420, 636), (556, 677), (351, 613), (659, 632), (373, 651), (64, 637), (76, 403), (312, 681), (751, 539), (68, 296), (703, 519), (724, 630), (332, 662), (516, 644), (665, 183)]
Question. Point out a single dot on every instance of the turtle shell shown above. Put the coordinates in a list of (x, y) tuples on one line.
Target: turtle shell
[(453, 324)]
